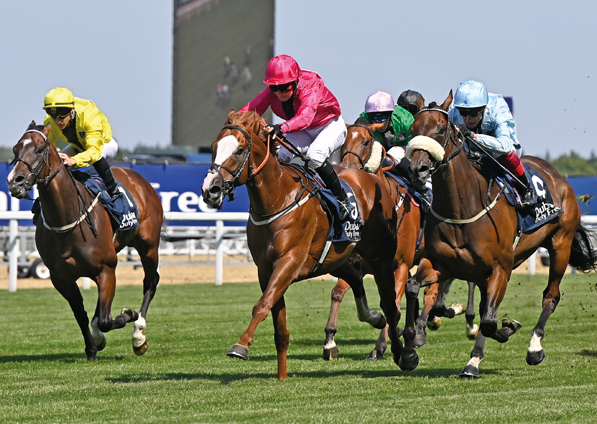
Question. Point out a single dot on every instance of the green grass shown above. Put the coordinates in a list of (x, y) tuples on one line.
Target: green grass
[(186, 377)]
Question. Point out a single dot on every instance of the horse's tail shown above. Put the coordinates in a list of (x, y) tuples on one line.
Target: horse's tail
[(583, 256)]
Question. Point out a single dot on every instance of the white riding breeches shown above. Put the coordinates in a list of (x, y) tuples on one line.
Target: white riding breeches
[(317, 144)]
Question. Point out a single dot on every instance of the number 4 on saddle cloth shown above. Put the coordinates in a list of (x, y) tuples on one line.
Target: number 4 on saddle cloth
[(122, 210)]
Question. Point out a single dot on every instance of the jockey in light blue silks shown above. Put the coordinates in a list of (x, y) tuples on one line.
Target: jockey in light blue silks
[(486, 118)]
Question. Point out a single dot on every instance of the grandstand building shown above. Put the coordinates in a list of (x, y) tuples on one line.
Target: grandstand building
[(221, 50)]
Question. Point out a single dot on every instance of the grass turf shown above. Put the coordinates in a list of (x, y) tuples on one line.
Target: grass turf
[(186, 377)]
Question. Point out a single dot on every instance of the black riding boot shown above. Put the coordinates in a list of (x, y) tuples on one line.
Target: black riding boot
[(527, 194), (105, 172), (328, 174), (402, 169)]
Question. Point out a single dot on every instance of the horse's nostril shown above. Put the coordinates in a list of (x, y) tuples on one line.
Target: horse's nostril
[(214, 190)]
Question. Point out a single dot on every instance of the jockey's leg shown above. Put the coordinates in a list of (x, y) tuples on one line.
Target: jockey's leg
[(514, 165), (328, 174), (104, 170)]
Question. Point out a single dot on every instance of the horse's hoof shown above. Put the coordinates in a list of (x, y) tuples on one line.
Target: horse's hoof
[(469, 372), (471, 333), (408, 362), (457, 308), (328, 354), (513, 325), (131, 313), (535, 358), (91, 358), (434, 323), (238, 351), (102, 344), (141, 349), (420, 340), (375, 355)]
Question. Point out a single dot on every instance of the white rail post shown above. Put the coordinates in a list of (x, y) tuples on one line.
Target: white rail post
[(14, 247), (219, 251)]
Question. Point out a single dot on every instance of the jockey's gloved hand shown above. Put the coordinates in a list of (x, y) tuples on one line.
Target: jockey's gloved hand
[(276, 130), (465, 131)]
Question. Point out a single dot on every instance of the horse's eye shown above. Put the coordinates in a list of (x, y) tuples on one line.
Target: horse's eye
[(240, 150), (441, 130), (40, 150)]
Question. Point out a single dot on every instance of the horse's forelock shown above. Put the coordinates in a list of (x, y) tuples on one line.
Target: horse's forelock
[(432, 105)]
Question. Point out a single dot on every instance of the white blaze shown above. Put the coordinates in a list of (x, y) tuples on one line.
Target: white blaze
[(226, 147)]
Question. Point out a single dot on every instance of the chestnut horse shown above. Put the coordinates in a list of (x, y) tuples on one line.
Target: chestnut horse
[(287, 229), (471, 234), (76, 237), (362, 152)]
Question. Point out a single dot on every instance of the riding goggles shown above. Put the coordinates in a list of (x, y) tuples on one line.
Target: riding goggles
[(282, 88), (474, 112), (379, 117), (58, 112)]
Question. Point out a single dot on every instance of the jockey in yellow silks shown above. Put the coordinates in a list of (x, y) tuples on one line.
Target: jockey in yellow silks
[(87, 131)]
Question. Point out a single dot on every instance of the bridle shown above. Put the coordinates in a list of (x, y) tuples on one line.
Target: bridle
[(229, 185), (437, 165), (33, 177), (361, 161)]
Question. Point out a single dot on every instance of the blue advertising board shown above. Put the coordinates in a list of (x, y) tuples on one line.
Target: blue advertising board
[(179, 187)]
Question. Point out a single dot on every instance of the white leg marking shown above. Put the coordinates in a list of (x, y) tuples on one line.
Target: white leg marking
[(329, 345), (535, 345), (458, 308), (138, 336), (474, 362), (96, 334)]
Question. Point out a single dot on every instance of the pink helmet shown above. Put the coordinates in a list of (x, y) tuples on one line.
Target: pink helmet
[(379, 102), (281, 69)]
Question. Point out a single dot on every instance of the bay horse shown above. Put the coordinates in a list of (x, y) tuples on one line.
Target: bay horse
[(75, 239), (362, 152), (471, 234), (287, 228)]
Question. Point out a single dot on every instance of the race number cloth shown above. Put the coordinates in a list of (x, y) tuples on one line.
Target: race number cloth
[(122, 210), (349, 229), (531, 217)]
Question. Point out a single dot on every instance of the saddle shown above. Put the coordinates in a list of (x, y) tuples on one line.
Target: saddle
[(530, 217), (340, 230)]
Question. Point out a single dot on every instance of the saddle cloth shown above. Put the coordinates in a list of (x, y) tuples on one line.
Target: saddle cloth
[(123, 210), (347, 230), (531, 217)]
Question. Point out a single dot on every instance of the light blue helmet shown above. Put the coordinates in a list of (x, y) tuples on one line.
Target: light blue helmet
[(471, 94)]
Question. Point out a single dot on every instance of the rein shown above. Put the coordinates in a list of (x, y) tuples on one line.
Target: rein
[(444, 162), (35, 172), (361, 161), (83, 214)]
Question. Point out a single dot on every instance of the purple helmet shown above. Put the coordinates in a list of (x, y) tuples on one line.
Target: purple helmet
[(379, 102)]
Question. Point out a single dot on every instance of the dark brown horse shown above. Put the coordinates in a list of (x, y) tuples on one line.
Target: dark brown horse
[(360, 151), (75, 239), (288, 227), (472, 231)]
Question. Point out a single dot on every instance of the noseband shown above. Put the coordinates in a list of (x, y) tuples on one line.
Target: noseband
[(34, 172), (228, 185), (361, 161), (438, 165)]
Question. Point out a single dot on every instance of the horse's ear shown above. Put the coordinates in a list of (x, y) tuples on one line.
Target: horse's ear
[(446, 104), (31, 125), (420, 103)]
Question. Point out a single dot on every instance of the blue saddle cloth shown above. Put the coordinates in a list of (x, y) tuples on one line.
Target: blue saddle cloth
[(123, 210), (531, 217), (347, 230)]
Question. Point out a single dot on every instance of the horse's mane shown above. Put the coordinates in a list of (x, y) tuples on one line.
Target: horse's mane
[(361, 121), (252, 121)]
